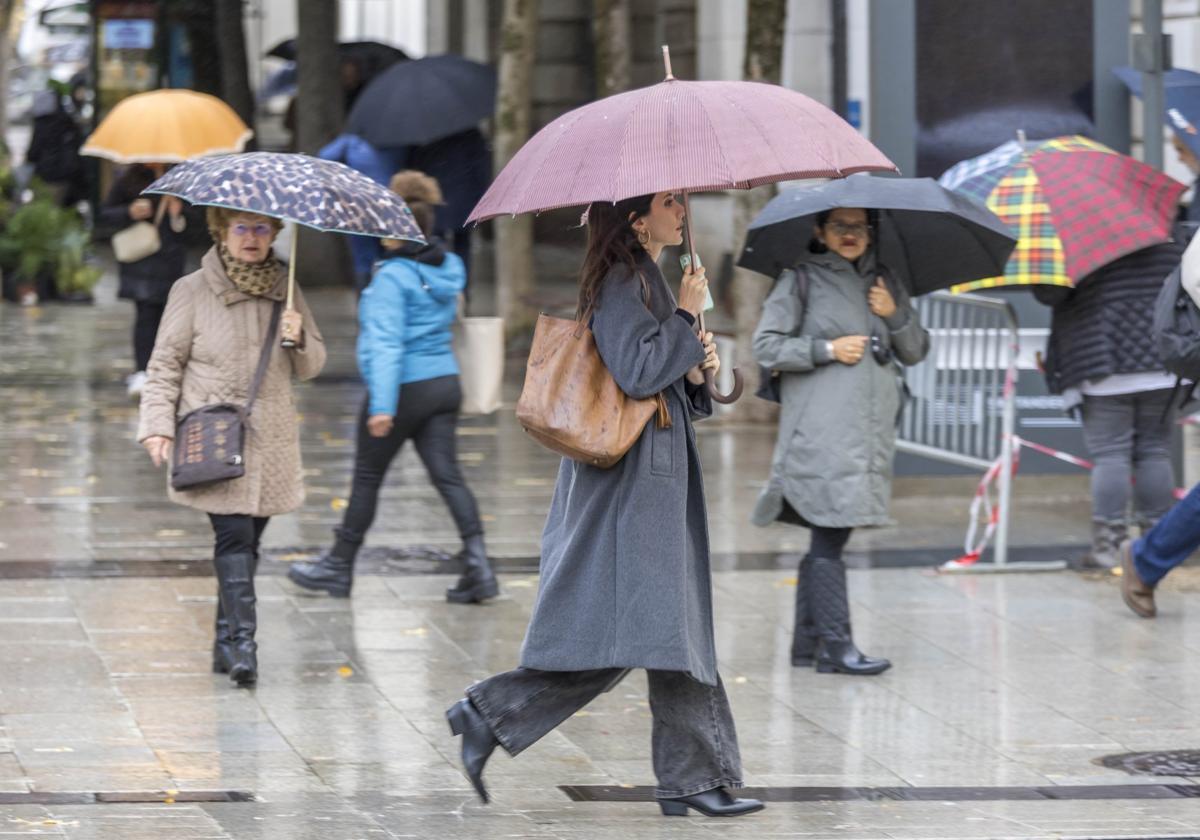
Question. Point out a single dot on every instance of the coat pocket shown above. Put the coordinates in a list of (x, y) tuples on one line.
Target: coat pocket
[(662, 450)]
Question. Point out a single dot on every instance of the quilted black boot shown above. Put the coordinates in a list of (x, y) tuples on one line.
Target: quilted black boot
[(836, 651), (478, 581), (333, 572), (235, 576), (804, 634)]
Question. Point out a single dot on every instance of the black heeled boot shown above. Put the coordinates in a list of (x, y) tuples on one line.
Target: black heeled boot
[(836, 651), (235, 576), (478, 581), (222, 642), (804, 634), (333, 571), (711, 803), (478, 741)]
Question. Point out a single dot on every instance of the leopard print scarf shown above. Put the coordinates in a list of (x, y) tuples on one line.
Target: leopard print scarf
[(250, 278)]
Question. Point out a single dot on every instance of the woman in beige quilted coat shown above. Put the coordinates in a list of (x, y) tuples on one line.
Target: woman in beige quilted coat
[(207, 349)]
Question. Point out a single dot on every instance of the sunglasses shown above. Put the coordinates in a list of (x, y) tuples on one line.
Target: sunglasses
[(259, 230), (842, 229)]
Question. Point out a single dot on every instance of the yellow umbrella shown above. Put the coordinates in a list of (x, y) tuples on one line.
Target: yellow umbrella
[(167, 126)]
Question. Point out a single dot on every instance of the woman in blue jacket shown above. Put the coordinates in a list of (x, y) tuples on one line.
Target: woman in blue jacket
[(413, 393)]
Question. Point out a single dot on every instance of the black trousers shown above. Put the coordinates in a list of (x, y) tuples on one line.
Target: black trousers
[(237, 533), (428, 416), (145, 330), (828, 542)]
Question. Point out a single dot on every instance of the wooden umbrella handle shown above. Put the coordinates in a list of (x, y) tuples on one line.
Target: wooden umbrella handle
[(710, 379), (291, 287)]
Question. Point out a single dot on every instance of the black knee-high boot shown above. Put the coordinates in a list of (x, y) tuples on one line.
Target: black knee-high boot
[(804, 633), (836, 651), (222, 641), (235, 577)]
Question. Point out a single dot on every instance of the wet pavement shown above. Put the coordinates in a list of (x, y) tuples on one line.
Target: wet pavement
[(1007, 695)]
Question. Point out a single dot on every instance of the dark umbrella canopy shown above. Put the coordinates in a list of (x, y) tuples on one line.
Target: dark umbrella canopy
[(1182, 88), (418, 102), (373, 55), (931, 237)]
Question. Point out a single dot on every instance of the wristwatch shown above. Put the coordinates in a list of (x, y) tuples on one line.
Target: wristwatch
[(829, 350)]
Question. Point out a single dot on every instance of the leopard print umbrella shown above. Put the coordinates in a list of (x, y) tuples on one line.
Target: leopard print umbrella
[(317, 193)]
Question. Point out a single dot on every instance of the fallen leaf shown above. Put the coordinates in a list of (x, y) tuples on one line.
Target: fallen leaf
[(338, 504), (68, 491), (345, 671)]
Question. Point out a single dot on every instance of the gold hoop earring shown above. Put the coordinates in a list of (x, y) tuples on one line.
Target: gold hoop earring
[(643, 237)]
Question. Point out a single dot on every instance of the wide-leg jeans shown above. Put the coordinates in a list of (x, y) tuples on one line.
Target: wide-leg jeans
[(693, 740)]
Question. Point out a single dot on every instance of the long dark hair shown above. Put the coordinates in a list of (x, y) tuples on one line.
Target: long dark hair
[(611, 240)]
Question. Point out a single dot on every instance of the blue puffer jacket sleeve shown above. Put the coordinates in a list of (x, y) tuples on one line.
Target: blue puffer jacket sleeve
[(381, 336)]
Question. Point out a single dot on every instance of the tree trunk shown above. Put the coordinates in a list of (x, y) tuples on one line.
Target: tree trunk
[(764, 63), (235, 69), (610, 21), (7, 7), (514, 106), (322, 258)]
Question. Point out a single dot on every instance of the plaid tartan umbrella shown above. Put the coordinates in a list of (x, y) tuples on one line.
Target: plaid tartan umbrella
[(1075, 204)]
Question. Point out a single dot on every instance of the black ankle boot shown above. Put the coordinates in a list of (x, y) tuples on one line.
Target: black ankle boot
[(333, 572), (235, 576), (836, 651), (222, 642), (478, 741), (478, 581), (804, 634), (843, 657), (711, 803)]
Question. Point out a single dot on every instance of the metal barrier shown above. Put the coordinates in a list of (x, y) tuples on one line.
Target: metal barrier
[(963, 405)]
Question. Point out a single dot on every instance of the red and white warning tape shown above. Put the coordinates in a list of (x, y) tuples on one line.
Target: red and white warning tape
[(982, 503)]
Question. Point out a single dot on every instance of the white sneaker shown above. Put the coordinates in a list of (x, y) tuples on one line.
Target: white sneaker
[(134, 384)]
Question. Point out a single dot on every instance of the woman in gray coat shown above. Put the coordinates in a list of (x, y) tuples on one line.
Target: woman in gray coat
[(833, 329), (625, 579)]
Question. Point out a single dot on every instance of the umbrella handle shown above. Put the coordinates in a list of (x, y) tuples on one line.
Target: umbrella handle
[(710, 380), (291, 287)]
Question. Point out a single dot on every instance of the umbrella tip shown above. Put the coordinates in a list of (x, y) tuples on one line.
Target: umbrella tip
[(666, 51)]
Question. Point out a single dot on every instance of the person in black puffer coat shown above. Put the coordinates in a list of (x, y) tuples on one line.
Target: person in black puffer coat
[(1102, 357), (147, 281)]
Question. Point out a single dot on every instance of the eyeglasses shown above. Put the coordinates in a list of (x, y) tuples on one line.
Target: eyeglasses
[(842, 229), (259, 230)]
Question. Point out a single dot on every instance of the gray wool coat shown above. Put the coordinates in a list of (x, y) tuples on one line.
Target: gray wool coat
[(837, 431), (625, 579)]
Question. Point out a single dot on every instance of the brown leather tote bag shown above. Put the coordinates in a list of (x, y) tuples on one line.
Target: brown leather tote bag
[(570, 402)]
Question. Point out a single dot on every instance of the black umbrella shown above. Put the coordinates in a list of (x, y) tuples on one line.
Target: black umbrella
[(417, 102), (372, 56), (930, 236)]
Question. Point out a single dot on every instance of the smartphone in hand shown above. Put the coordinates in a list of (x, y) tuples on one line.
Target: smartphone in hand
[(684, 261)]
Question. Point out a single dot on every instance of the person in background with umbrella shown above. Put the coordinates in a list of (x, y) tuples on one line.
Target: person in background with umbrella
[(1102, 357), (1189, 212), (413, 393), (625, 578), (148, 281), (208, 347), (462, 164), (379, 166), (54, 149), (834, 327)]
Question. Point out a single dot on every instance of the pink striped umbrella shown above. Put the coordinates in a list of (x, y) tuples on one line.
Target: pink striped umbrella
[(678, 136)]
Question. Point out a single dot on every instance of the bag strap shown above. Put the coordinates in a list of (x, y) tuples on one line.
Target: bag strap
[(802, 283), (264, 356)]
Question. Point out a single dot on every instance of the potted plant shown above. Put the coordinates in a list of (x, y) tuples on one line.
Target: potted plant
[(43, 250)]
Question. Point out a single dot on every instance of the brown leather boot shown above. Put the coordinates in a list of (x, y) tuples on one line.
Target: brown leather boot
[(1138, 596)]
